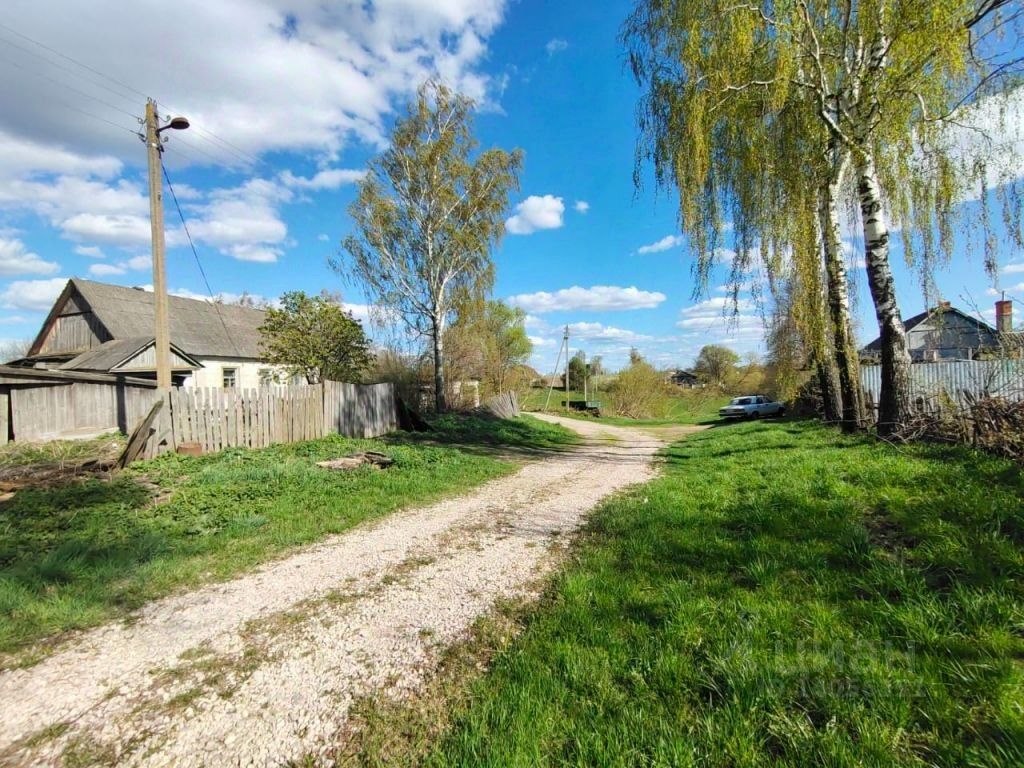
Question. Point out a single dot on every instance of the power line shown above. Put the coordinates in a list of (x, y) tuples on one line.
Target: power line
[(71, 88), (76, 62), (201, 133), (195, 253)]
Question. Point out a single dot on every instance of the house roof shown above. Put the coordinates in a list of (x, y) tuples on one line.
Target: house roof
[(199, 328), (112, 354), (13, 375), (912, 322)]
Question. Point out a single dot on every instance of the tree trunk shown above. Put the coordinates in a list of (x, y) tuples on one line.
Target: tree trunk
[(438, 339), (894, 401), (846, 362), (828, 383)]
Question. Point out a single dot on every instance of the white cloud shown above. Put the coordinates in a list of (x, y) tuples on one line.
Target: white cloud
[(136, 263), (597, 298), (331, 178), (720, 320), (1013, 268), (538, 341), (581, 206), (16, 259), (83, 176), (323, 238), (32, 294), (535, 213), (314, 74), (105, 270), (244, 222), (991, 130), (604, 333), (91, 251), (555, 45), (667, 242), (13, 319)]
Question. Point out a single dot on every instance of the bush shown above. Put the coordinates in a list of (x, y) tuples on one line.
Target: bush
[(640, 392)]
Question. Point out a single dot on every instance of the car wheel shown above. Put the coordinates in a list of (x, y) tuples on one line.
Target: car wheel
[(755, 415)]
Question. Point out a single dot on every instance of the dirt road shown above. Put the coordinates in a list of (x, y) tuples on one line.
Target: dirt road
[(263, 668)]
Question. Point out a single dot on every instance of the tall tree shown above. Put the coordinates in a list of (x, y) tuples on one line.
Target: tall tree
[(716, 365), (488, 341), (426, 216), (743, 98), (314, 337), (577, 371)]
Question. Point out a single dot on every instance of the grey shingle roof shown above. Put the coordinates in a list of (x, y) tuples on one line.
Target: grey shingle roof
[(110, 354), (912, 322), (198, 328)]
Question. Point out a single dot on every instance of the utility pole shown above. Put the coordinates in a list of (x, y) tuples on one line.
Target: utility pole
[(565, 340), (156, 218)]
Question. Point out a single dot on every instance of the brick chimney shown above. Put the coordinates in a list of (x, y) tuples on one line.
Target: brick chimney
[(1004, 316)]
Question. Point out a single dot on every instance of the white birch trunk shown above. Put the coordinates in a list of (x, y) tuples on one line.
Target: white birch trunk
[(894, 402), (437, 332), (839, 303)]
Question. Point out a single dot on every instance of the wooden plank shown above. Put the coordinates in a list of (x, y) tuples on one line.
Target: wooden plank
[(230, 397), (140, 436), (204, 411), (5, 422), (239, 420)]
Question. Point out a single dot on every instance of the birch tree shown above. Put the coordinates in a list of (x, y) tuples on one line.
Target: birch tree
[(426, 216), (868, 73)]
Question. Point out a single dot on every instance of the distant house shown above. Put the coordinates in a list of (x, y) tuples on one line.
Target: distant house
[(943, 333), (683, 378), (101, 328)]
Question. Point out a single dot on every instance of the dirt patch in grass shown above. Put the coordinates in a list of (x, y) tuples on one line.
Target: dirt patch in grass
[(383, 731)]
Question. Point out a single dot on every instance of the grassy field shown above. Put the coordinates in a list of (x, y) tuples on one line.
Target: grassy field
[(77, 554), (687, 406), (783, 595)]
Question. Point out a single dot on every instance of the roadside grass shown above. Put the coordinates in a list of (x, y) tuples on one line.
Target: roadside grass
[(687, 406), (77, 554), (471, 432), (782, 595), (16, 455)]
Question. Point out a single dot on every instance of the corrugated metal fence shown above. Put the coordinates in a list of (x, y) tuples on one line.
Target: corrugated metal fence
[(954, 380)]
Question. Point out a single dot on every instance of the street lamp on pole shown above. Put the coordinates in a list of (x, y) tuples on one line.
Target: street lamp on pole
[(162, 333)]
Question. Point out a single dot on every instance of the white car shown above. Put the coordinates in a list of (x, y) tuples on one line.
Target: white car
[(751, 407)]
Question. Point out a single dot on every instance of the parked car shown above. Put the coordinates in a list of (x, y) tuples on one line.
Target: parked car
[(751, 407)]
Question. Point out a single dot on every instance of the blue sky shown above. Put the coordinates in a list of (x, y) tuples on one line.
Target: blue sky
[(288, 100)]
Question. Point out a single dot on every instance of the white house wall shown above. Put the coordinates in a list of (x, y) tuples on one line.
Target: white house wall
[(247, 372)]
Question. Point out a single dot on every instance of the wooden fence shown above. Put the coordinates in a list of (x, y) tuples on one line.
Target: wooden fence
[(38, 405), (215, 419)]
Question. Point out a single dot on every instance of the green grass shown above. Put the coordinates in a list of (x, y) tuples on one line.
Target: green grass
[(783, 595), (78, 554), (687, 406), (475, 433), (14, 456)]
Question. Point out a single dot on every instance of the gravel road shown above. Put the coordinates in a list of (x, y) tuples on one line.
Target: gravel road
[(262, 669)]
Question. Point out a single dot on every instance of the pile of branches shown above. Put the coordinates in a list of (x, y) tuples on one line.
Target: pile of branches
[(992, 424)]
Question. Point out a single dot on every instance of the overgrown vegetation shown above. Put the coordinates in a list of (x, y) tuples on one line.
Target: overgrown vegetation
[(314, 337), (77, 554), (784, 595)]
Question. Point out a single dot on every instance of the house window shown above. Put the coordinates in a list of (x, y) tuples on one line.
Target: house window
[(230, 378), (266, 377)]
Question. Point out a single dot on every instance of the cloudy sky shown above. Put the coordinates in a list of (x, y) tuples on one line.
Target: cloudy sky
[(288, 100)]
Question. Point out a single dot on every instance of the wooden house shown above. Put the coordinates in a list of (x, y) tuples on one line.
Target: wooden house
[(108, 329), (942, 333)]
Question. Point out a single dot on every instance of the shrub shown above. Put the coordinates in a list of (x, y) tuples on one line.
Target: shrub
[(640, 392)]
